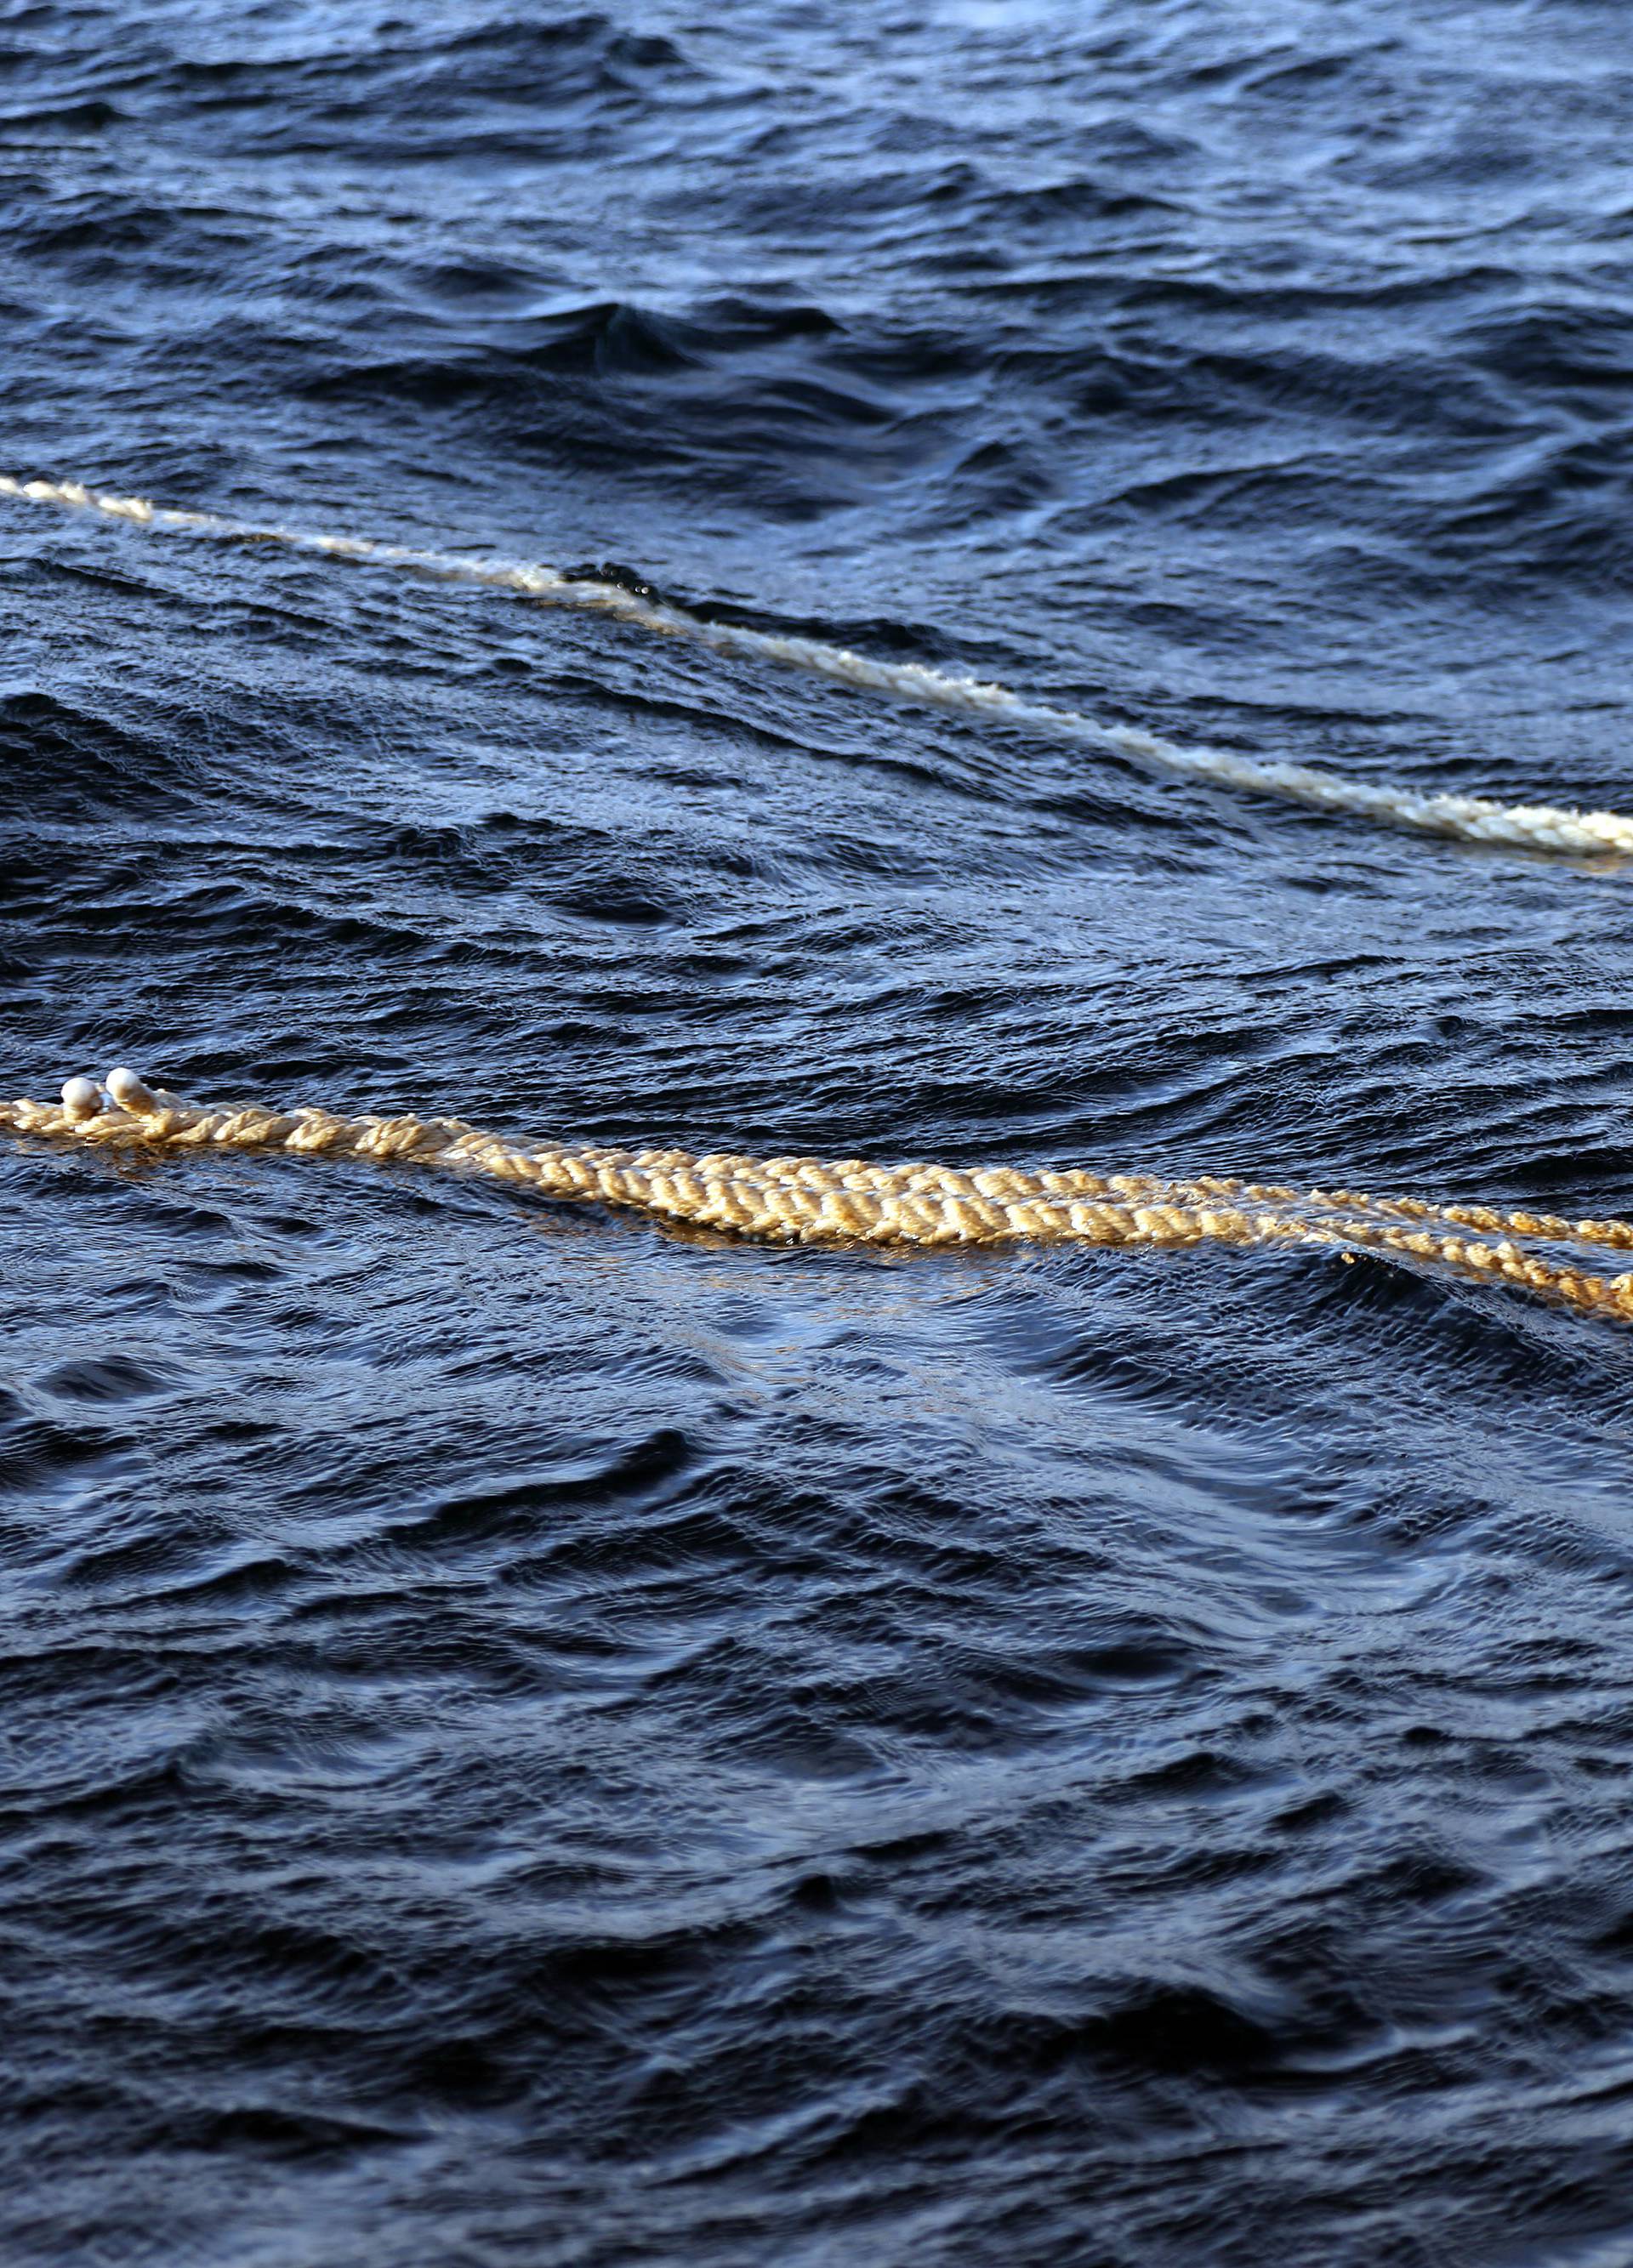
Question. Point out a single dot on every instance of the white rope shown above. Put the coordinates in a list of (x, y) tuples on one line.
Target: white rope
[(1470, 818), (814, 1200)]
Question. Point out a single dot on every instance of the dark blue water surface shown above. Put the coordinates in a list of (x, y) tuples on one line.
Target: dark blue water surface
[(528, 1740)]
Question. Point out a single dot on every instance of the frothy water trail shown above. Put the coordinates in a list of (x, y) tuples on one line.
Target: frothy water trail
[(814, 1200), (1537, 828)]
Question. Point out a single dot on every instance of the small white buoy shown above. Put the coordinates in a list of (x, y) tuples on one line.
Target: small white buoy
[(132, 1092), (81, 1098)]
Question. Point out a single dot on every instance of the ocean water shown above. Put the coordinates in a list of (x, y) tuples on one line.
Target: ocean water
[(530, 1739)]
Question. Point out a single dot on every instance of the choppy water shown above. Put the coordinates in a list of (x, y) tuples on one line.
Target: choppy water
[(527, 1739)]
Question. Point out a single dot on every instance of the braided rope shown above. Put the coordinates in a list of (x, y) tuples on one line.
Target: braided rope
[(813, 1201), (1591, 833)]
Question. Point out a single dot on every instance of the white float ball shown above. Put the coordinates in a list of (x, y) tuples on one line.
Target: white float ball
[(132, 1092)]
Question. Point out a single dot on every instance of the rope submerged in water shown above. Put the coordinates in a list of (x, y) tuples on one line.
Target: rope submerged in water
[(813, 1201), (1469, 818)]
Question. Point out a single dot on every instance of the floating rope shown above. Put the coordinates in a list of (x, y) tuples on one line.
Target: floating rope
[(809, 1201), (1523, 826)]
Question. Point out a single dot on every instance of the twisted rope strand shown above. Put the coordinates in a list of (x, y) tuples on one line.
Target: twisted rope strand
[(1469, 818), (808, 1201)]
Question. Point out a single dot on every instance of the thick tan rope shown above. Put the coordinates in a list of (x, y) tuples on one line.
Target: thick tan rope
[(810, 1201), (1524, 826)]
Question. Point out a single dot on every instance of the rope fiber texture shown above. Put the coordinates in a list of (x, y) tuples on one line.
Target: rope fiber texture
[(810, 1201), (1576, 834)]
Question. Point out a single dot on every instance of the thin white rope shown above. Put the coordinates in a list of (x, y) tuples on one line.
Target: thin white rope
[(1576, 833)]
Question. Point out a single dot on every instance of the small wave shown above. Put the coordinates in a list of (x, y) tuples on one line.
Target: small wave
[(74, 761)]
